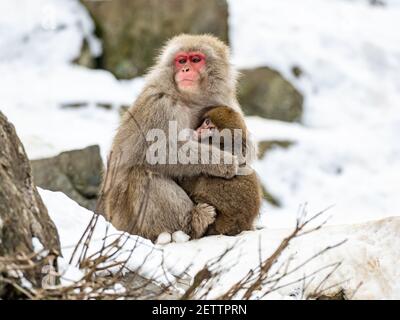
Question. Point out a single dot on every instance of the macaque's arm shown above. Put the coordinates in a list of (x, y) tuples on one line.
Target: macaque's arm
[(221, 164)]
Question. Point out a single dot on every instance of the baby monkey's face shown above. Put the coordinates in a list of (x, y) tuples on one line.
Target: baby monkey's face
[(206, 129)]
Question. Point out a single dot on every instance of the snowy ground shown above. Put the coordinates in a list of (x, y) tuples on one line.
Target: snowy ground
[(369, 257), (347, 150)]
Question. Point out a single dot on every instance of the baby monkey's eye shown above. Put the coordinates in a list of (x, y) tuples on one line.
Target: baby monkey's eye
[(196, 59), (207, 121)]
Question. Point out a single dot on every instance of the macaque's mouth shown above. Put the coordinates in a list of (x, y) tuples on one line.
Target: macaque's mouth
[(187, 82)]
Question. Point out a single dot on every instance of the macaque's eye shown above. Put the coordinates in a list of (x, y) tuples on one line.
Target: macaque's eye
[(196, 59), (207, 122), (182, 60)]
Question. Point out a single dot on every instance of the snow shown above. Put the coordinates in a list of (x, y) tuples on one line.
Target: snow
[(37, 245), (368, 257), (71, 221), (346, 151), (38, 41)]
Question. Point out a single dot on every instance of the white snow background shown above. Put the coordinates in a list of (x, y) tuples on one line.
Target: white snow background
[(347, 150)]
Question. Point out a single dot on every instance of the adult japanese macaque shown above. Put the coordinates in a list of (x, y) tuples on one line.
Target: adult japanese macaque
[(237, 200), (140, 195)]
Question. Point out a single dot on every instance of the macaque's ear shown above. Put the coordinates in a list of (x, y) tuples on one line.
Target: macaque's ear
[(207, 121)]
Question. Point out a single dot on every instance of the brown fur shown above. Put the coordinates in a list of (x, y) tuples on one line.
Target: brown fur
[(237, 200), (144, 199)]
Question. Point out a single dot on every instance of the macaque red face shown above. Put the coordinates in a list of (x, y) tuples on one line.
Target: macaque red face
[(206, 129), (188, 69)]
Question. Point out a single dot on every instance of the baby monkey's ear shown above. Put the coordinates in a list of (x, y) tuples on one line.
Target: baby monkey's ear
[(206, 129), (207, 124)]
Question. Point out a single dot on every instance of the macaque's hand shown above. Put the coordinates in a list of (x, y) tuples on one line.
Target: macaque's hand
[(195, 135), (229, 170)]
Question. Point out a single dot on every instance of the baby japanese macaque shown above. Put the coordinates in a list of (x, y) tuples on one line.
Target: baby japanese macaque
[(237, 200)]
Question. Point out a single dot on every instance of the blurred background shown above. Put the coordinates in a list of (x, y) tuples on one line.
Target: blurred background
[(320, 87)]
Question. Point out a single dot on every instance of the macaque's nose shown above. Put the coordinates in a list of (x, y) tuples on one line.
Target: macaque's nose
[(185, 69)]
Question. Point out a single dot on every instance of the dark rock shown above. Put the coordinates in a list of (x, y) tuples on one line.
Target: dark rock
[(22, 212), (82, 104), (379, 3), (104, 105), (85, 58), (265, 145), (122, 110), (133, 30), (74, 105), (267, 196), (297, 71), (76, 173), (264, 92)]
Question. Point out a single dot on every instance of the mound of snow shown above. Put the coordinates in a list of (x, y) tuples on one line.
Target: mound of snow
[(368, 258), (72, 220)]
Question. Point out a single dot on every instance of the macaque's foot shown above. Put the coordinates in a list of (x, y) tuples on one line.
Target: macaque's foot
[(202, 216), (180, 236), (164, 238), (211, 231)]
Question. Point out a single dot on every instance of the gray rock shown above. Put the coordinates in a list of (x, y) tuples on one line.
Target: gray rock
[(85, 58), (122, 110), (76, 173), (267, 196), (266, 145), (263, 147), (133, 30), (22, 212), (264, 92), (297, 71)]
